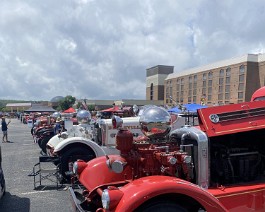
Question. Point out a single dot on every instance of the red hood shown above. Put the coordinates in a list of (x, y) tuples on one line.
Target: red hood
[(97, 173), (234, 118)]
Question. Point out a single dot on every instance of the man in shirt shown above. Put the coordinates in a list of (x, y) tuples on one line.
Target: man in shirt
[(4, 129)]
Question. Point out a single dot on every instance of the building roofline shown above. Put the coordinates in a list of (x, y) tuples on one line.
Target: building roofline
[(159, 66), (219, 64)]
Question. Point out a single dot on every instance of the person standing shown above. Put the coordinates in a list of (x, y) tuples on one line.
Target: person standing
[(58, 126), (4, 129)]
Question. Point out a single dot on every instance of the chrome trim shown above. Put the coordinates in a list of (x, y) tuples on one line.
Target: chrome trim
[(75, 201), (202, 158)]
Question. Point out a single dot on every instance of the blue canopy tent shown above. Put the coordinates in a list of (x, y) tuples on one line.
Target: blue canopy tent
[(174, 110), (192, 108)]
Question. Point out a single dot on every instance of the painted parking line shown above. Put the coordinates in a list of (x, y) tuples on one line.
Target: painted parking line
[(34, 192)]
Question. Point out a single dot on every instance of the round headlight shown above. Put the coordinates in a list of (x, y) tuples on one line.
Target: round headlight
[(187, 159), (105, 199)]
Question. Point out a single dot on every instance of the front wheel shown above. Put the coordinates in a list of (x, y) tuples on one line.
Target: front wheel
[(161, 206), (44, 142), (72, 155)]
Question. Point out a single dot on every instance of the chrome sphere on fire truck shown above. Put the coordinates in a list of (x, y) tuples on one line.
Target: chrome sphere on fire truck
[(155, 122), (56, 115), (83, 117)]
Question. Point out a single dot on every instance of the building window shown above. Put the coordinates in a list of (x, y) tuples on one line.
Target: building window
[(227, 80), (189, 99), (170, 93), (204, 76), (209, 97), (194, 99), (227, 88), (221, 73), (190, 79), (177, 97), (227, 96), (221, 81), (203, 91), (210, 82), (240, 95), (242, 69), (189, 92), (181, 94), (181, 87), (220, 96), (209, 90), (221, 88), (241, 87), (204, 84), (210, 75), (152, 91), (194, 92), (194, 85), (178, 84), (228, 72), (195, 78), (242, 78)]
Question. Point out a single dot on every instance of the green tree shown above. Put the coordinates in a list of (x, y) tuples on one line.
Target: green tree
[(91, 107), (66, 102)]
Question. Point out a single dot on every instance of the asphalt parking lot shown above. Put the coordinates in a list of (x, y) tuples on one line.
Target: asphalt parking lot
[(19, 157)]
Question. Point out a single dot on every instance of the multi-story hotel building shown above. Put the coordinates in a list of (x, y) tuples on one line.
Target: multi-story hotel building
[(224, 82)]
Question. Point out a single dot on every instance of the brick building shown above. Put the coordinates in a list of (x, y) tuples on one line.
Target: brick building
[(224, 82)]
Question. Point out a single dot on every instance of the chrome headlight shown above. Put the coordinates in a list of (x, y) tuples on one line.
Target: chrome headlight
[(187, 159), (105, 199), (75, 167)]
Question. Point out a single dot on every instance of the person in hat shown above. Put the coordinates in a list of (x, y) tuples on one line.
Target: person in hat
[(4, 129), (58, 126)]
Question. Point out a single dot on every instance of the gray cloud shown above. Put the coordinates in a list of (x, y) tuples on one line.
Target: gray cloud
[(101, 49)]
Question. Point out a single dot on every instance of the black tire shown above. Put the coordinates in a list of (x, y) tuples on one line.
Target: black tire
[(161, 206), (44, 142), (39, 141), (72, 155)]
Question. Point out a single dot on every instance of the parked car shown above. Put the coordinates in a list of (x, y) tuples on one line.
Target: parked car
[(2, 178), (216, 166)]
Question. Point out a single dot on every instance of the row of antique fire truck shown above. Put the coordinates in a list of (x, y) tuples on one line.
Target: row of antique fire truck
[(218, 165)]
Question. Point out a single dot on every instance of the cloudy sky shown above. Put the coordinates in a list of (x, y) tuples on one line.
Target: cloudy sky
[(100, 49)]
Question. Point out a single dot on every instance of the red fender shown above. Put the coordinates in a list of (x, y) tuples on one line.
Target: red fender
[(139, 191)]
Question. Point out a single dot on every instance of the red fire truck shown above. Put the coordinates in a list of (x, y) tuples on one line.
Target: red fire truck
[(217, 166)]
